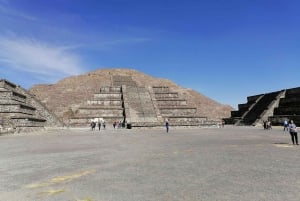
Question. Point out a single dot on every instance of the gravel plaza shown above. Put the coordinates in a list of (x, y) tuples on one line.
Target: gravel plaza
[(203, 164)]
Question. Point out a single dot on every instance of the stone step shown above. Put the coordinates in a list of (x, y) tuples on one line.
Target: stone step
[(28, 122), (109, 96), (17, 108), (138, 105), (171, 102), (177, 111), (100, 112), (123, 80), (6, 96), (100, 107), (10, 101), (160, 89), (110, 89), (291, 110), (163, 96), (194, 119), (105, 102)]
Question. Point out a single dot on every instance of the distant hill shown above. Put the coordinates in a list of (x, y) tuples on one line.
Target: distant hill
[(69, 93)]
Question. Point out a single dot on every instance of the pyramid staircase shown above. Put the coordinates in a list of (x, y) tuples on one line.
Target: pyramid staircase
[(257, 109), (138, 106)]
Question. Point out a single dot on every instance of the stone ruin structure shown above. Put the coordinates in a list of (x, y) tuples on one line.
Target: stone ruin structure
[(276, 107), (138, 106), (21, 111)]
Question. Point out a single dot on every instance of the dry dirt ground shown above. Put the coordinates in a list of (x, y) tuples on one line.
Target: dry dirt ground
[(209, 164)]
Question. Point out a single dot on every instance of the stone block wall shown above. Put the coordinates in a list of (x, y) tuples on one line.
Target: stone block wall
[(167, 112), (110, 89), (275, 106), (163, 96), (7, 97), (288, 107), (6, 85), (107, 104), (176, 109), (42, 111), (21, 109), (107, 96), (100, 112)]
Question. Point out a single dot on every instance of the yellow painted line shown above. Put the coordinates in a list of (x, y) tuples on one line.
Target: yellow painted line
[(68, 178), (52, 192), (40, 185), (87, 199), (284, 145), (61, 179)]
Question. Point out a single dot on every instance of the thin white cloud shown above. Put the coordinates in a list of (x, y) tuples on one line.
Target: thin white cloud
[(7, 10), (39, 58)]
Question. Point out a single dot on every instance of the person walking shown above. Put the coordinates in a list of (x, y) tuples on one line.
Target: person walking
[(293, 132), (99, 125), (285, 125), (167, 125), (104, 125), (93, 125)]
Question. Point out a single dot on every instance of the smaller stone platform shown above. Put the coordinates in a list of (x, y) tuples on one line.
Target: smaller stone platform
[(20, 111)]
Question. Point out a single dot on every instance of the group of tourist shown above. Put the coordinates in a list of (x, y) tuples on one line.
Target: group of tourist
[(290, 126), (99, 124), (267, 125), (119, 124), (102, 123)]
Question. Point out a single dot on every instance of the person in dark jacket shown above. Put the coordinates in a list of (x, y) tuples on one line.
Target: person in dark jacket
[(293, 132), (167, 125)]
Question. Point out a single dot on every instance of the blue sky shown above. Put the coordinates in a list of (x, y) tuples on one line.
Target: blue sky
[(224, 49)]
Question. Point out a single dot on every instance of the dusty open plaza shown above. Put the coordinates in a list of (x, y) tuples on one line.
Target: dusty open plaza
[(209, 164)]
